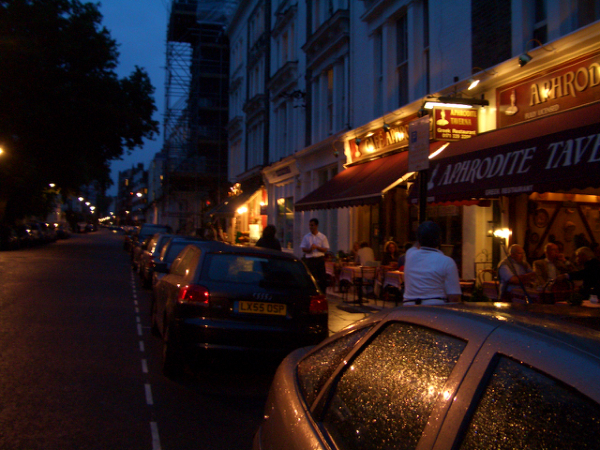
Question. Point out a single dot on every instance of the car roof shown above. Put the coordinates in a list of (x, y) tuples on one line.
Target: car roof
[(218, 246), (578, 327)]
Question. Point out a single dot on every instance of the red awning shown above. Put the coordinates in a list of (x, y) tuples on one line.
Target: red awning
[(362, 184), (555, 153)]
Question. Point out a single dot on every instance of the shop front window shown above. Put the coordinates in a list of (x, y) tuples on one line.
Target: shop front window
[(285, 221)]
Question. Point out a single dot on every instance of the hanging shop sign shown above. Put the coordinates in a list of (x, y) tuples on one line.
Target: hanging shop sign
[(389, 137), (450, 124), (558, 89)]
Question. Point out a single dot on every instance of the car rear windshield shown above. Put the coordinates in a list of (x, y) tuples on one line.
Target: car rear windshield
[(258, 270)]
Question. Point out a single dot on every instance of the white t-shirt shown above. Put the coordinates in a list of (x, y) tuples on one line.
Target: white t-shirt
[(363, 255), (429, 274), (319, 239)]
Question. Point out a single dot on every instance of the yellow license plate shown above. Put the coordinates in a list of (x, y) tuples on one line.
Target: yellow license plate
[(276, 309)]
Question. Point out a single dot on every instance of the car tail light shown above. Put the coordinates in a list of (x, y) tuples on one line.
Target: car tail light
[(192, 293), (318, 304)]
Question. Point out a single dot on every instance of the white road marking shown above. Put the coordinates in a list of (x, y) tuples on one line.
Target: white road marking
[(137, 319), (142, 349), (144, 366), (139, 327), (155, 437), (149, 400)]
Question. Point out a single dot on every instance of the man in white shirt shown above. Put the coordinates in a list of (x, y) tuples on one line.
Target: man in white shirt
[(364, 255), (430, 277), (314, 245)]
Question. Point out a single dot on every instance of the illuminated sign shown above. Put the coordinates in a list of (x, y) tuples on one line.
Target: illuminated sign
[(451, 124)]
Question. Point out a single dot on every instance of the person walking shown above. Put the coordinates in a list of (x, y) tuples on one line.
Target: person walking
[(430, 277), (268, 239), (314, 245)]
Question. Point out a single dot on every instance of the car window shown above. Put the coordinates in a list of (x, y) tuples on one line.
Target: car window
[(259, 270), (317, 368), (186, 263), (172, 251), (385, 396), (524, 408)]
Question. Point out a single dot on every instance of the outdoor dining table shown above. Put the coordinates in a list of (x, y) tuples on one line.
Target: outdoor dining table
[(393, 278), (354, 276)]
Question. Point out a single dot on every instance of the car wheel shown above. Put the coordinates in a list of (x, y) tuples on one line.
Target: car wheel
[(173, 363)]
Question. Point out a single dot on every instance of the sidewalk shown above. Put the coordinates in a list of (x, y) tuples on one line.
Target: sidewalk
[(343, 314)]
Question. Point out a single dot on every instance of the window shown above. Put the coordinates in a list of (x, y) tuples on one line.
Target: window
[(426, 43), (185, 264), (491, 32), (316, 369), (524, 408), (258, 270), (386, 394), (330, 100), (540, 28), (378, 52), (588, 11), (402, 59)]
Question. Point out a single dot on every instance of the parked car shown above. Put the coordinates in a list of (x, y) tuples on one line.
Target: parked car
[(9, 239), (224, 297), (468, 376), (36, 232), (130, 232), (149, 255), (48, 232), (167, 255), (62, 231), (25, 235), (145, 231)]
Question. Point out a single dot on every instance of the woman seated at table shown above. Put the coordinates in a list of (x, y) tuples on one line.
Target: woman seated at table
[(390, 254)]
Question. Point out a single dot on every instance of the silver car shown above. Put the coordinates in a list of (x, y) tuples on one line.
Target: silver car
[(464, 376)]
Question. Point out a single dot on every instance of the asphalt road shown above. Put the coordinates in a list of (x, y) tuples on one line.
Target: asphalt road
[(79, 368)]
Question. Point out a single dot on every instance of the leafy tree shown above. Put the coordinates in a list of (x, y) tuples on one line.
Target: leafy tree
[(64, 113)]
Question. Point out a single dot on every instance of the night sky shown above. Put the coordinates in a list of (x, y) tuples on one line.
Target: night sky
[(139, 27)]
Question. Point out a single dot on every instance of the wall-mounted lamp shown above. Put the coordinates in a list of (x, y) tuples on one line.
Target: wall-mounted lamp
[(526, 57), (472, 81), (357, 141), (386, 127)]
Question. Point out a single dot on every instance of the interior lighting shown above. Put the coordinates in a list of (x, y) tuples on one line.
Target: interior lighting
[(242, 210)]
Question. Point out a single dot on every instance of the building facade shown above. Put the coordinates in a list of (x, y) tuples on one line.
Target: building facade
[(329, 117)]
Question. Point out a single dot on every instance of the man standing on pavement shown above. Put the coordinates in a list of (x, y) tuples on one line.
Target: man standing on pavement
[(315, 245), (430, 277)]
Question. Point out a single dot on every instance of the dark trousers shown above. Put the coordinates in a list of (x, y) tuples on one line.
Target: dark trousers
[(317, 268)]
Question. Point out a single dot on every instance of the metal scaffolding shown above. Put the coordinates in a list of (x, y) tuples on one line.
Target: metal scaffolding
[(196, 104)]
